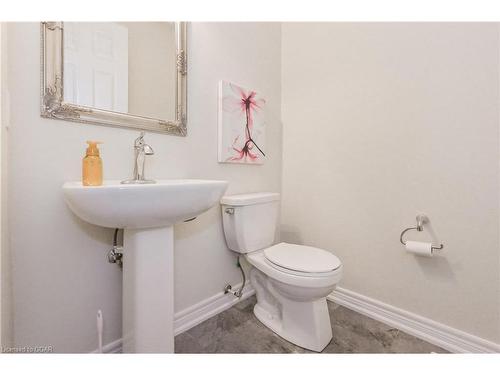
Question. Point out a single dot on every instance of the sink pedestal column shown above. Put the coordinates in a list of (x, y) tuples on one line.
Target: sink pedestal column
[(148, 290)]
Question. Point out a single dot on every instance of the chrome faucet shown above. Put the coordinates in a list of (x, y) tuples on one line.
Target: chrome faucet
[(141, 149)]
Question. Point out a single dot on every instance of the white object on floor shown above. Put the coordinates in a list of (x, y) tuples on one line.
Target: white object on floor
[(99, 330), (291, 281)]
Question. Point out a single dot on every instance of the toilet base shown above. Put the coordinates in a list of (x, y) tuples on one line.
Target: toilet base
[(311, 336), (305, 323)]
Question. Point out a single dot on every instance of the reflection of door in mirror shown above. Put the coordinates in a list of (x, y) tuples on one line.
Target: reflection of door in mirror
[(96, 65), (127, 67)]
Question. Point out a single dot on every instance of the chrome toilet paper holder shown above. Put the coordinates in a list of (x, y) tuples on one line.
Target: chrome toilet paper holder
[(421, 220)]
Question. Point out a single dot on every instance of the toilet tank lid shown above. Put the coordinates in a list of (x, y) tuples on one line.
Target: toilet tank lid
[(248, 199)]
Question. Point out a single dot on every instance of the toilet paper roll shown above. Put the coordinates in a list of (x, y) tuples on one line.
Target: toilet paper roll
[(419, 248)]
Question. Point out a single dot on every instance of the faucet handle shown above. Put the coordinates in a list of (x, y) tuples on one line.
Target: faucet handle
[(139, 141)]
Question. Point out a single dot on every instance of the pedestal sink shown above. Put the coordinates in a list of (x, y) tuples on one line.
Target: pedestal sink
[(147, 214)]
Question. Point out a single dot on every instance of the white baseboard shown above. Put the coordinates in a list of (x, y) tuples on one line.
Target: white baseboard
[(194, 315), (112, 347), (446, 337)]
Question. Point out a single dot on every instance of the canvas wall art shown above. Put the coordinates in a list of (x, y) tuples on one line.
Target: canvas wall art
[(241, 125)]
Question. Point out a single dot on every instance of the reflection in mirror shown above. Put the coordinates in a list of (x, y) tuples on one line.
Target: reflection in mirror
[(127, 67)]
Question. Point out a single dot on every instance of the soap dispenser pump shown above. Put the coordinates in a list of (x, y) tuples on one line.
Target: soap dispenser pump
[(92, 165)]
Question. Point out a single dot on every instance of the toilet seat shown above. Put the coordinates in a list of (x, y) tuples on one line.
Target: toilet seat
[(300, 273), (301, 260), (291, 277)]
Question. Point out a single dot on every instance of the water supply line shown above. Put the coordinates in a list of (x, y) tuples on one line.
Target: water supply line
[(229, 289), (116, 253)]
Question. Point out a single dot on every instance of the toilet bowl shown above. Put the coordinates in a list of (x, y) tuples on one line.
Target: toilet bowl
[(291, 281)]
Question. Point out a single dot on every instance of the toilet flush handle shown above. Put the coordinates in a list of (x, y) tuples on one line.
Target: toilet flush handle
[(229, 211)]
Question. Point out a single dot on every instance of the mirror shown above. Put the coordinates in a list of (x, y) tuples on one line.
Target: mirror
[(130, 74)]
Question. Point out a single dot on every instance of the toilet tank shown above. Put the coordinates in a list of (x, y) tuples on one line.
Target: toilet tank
[(250, 220)]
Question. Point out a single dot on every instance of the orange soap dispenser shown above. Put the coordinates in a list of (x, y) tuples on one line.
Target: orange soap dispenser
[(92, 166)]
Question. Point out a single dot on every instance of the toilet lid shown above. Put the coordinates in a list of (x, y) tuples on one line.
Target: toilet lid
[(302, 258)]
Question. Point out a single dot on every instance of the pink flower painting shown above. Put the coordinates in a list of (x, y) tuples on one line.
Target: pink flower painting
[(241, 125)]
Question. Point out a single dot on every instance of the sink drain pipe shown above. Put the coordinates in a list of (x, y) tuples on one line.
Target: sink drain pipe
[(229, 289)]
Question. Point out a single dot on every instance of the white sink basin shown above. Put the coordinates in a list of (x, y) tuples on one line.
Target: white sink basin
[(147, 214), (163, 204)]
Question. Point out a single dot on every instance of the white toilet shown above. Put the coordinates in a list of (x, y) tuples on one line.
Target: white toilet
[(291, 281)]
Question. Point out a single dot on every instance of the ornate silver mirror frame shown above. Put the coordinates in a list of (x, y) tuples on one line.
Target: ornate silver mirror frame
[(52, 98)]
